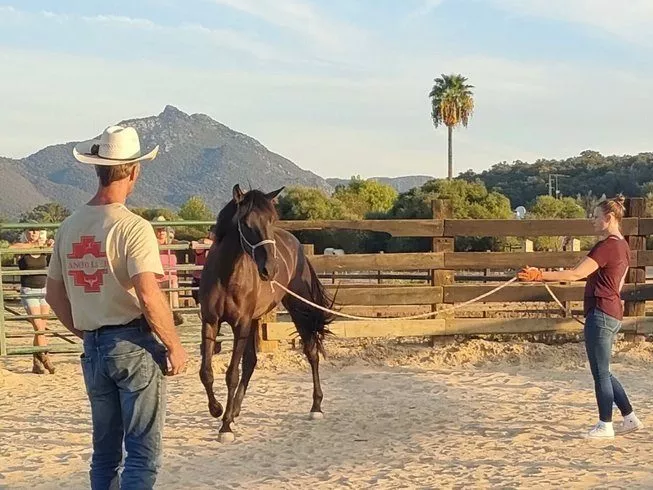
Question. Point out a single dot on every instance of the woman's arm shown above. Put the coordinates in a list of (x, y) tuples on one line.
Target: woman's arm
[(586, 267), (22, 245)]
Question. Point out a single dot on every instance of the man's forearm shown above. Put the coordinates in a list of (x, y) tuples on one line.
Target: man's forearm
[(159, 317), (62, 309)]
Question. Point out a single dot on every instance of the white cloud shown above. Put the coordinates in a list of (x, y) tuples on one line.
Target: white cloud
[(119, 19), (425, 8), (303, 18), (224, 38), (631, 20)]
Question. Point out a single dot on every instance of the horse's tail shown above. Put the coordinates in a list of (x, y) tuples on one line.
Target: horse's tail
[(312, 322)]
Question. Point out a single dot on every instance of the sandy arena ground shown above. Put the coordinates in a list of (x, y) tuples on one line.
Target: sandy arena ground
[(398, 415)]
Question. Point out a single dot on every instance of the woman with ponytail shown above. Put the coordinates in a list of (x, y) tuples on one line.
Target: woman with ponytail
[(32, 292), (605, 268)]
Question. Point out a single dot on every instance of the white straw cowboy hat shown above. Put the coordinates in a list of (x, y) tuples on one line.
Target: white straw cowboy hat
[(117, 146), (159, 223)]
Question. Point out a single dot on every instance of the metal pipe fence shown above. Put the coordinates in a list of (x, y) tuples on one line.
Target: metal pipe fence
[(9, 293)]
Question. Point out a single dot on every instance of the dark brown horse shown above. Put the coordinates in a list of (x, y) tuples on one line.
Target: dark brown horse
[(236, 287)]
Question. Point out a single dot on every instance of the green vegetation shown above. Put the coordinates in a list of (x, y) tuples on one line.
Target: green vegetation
[(51, 212), (586, 177), (489, 195)]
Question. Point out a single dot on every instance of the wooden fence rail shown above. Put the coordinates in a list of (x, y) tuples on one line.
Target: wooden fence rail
[(458, 260)]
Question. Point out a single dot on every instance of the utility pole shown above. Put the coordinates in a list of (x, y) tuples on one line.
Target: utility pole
[(557, 187)]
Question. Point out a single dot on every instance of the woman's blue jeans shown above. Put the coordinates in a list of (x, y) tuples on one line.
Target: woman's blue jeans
[(600, 331)]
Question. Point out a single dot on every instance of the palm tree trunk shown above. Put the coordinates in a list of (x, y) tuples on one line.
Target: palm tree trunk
[(450, 172)]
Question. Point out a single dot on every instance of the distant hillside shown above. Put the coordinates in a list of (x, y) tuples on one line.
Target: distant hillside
[(198, 156), (16, 192), (522, 182), (401, 184)]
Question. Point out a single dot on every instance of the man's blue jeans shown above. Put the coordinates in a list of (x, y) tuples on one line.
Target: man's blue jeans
[(600, 331), (123, 371)]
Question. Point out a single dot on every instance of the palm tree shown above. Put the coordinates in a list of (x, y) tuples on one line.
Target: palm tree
[(452, 103)]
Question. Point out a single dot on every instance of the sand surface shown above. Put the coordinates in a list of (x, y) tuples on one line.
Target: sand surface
[(398, 415)]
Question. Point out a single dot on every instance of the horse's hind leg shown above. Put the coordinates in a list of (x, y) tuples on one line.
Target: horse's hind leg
[(241, 335), (209, 333), (218, 344), (249, 363), (312, 353)]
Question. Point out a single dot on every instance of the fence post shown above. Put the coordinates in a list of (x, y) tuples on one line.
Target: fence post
[(572, 245), (263, 345), (3, 337), (635, 208), (441, 209)]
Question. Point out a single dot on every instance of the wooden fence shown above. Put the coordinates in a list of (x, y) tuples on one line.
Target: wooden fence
[(443, 263), (439, 268)]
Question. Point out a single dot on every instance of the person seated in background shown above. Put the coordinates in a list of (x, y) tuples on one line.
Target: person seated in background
[(170, 280), (32, 292), (201, 252)]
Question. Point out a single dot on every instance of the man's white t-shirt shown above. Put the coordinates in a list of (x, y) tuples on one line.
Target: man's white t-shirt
[(97, 251)]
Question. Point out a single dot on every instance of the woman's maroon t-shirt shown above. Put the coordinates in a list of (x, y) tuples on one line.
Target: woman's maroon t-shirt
[(603, 287)]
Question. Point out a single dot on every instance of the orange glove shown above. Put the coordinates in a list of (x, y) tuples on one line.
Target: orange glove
[(530, 274)]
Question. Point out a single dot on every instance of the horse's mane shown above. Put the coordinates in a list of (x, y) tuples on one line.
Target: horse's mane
[(253, 201)]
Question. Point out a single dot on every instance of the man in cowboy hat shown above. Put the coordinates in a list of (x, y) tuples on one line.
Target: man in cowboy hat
[(102, 285)]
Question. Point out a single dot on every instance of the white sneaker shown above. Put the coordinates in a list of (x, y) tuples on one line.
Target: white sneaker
[(630, 424), (601, 431)]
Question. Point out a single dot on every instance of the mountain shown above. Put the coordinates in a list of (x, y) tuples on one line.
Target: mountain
[(197, 156), (17, 193), (400, 184)]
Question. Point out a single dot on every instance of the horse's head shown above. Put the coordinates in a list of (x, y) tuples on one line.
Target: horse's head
[(254, 218)]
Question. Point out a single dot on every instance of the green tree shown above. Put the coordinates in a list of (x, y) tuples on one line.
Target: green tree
[(362, 197), (548, 207), (195, 209), (522, 182), (452, 104), (51, 212), (310, 203), (469, 200)]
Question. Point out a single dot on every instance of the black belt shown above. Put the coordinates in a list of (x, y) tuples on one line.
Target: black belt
[(136, 322)]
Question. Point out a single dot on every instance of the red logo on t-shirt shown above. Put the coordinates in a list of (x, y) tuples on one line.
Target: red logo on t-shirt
[(87, 264)]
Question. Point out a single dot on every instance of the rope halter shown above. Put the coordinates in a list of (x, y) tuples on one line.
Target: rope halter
[(253, 247)]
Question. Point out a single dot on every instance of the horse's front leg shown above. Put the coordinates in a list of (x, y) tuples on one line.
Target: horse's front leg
[(312, 354), (241, 335), (249, 364), (209, 333)]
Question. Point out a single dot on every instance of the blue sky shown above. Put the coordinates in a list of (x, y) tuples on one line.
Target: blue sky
[(339, 86)]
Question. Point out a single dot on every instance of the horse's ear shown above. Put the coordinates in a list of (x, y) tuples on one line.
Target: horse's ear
[(273, 194), (238, 194)]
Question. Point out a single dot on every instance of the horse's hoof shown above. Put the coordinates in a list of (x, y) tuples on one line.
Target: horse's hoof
[(216, 410), (226, 437), (316, 416)]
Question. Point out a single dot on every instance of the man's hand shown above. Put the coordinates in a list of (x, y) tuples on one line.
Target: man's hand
[(177, 359), (530, 274)]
